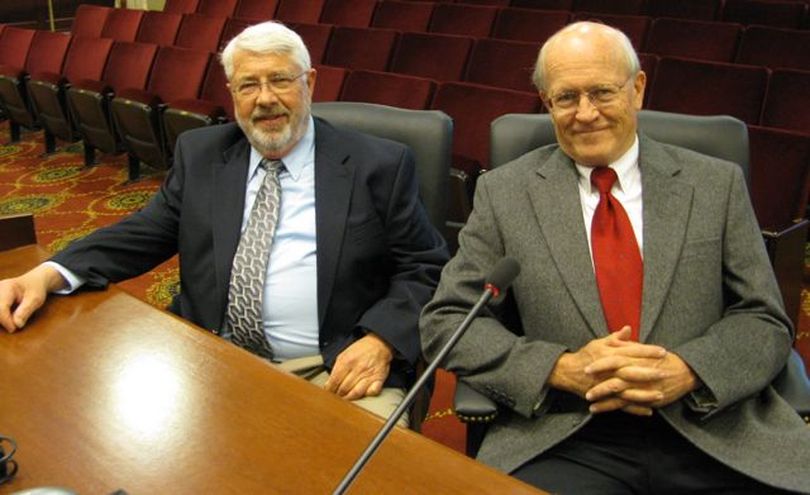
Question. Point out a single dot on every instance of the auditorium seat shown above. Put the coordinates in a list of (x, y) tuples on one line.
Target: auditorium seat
[(442, 57), (356, 13), (159, 28), (214, 106), (706, 10), (361, 48), (200, 32), (503, 63), (461, 19), (780, 177), (122, 24), (716, 41), (260, 10), (46, 53), (388, 88), (529, 25), (85, 59), (649, 62), (402, 15), (89, 20), (14, 45), (776, 14), (216, 8), (316, 38), (624, 7), (329, 83), (493, 3), (177, 74), (181, 6), (774, 47), (473, 107), (128, 66), (787, 101), (544, 4), (634, 26), (233, 26), (708, 88), (308, 12)]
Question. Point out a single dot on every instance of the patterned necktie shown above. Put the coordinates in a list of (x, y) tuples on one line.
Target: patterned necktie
[(249, 270), (616, 257)]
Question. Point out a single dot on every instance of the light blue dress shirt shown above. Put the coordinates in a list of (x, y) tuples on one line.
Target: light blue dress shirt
[(290, 303)]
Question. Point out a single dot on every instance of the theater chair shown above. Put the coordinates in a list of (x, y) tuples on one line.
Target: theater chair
[(46, 54), (719, 136), (176, 74), (429, 134), (85, 59), (89, 100), (214, 106)]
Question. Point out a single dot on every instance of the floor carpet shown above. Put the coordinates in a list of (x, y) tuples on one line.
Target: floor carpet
[(70, 200)]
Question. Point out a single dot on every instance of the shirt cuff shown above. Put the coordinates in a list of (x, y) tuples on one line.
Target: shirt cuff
[(73, 280)]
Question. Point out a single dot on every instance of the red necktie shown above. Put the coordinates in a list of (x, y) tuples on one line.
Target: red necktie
[(616, 257)]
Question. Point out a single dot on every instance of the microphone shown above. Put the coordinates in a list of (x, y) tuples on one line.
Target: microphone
[(499, 279)]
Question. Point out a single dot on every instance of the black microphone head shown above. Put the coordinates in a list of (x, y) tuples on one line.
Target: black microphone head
[(503, 274)]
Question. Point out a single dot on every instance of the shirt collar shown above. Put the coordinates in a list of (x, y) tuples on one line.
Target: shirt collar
[(625, 167), (296, 159)]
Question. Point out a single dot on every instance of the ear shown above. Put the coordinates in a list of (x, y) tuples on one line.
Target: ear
[(639, 85), (544, 100), (312, 76)]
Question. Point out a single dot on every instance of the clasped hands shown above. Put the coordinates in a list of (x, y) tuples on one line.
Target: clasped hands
[(615, 373), (361, 369)]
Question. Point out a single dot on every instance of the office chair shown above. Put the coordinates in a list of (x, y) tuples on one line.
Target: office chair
[(724, 137), (429, 134)]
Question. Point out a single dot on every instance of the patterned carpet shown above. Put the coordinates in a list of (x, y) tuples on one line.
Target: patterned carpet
[(69, 201)]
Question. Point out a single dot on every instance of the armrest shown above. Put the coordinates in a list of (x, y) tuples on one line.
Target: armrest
[(16, 231), (472, 406), (786, 251), (794, 386)]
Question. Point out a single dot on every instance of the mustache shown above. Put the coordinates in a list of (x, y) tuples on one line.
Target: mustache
[(271, 112)]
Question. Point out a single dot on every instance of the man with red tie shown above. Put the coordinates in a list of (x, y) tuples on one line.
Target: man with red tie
[(635, 351)]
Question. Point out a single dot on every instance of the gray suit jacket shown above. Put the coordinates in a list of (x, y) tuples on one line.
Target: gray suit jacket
[(709, 295)]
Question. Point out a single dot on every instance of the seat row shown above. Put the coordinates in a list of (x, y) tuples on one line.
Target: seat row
[(364, 13), (756, 95), (208, 29), (138, 97)]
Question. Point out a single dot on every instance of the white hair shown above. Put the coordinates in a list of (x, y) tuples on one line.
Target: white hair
[(622, 41), (265, 38)]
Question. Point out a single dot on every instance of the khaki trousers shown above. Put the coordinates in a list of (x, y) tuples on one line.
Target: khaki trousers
[(312, 369)]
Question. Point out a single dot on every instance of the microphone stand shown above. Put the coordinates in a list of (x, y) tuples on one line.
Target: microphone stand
[(347, 480)]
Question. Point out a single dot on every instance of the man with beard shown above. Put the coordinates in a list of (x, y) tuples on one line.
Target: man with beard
[(305, 244)]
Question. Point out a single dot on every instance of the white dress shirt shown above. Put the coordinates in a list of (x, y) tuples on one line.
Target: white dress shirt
[(627, 190)]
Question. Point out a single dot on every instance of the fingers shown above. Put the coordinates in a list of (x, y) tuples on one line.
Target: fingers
[(10, 294), (637, 410)]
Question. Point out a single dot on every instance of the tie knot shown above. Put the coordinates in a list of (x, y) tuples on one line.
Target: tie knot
[(271, 166), (603, 179)]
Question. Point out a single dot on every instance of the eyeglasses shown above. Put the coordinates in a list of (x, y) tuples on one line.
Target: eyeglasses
[(600, 96), (277, 84)]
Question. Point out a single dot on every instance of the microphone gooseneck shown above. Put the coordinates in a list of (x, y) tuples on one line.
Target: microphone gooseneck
[(499, 279)]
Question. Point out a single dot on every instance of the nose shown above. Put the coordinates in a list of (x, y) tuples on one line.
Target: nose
[(586, 112), (266, 94)]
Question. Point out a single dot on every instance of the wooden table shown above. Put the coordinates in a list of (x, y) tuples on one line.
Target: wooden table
[(104, 392)]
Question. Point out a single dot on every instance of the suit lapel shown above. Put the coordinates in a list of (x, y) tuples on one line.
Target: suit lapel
[(667, 206), (555, 199), (334, 178), (227, 208)]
